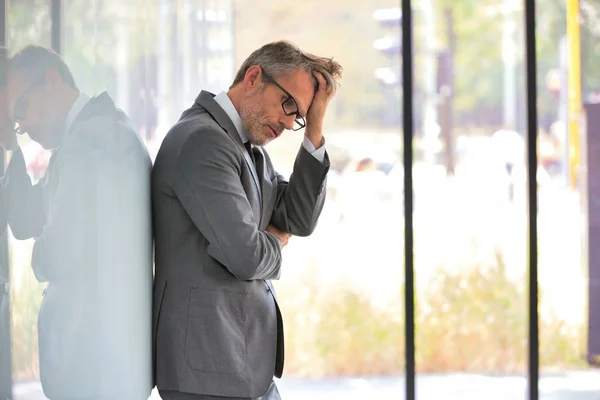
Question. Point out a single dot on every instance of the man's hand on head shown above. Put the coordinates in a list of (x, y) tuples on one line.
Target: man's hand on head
[(317, 110), (282, 236)]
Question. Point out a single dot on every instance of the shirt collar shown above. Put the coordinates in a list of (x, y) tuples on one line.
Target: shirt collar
[(224, 101), (76, 108)]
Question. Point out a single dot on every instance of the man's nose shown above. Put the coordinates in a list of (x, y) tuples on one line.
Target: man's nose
[(22, 127), (288, 121)]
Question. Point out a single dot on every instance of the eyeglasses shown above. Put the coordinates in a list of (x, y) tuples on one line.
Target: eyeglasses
[(289, 105), (20, 112)]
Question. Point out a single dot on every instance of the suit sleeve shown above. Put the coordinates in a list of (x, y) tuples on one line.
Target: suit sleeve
[(23, 201), (209, 188), (63, 245), (300, 201)]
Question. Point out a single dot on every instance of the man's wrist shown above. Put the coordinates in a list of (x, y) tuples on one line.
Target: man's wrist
[(11, 144), (315, 136)]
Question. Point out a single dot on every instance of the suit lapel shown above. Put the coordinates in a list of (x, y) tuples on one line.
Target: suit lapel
[(206, 100), (99, 104)]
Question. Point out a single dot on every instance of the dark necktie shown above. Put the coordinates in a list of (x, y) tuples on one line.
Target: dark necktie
[(248, 147)]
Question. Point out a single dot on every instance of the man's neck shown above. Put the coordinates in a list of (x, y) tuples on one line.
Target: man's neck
[(234, 96), (70, 97)]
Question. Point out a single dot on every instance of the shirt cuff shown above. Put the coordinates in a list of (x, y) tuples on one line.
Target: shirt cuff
[(319, 153)]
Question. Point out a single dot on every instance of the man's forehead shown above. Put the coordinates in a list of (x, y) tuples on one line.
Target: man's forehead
[(16, 81)]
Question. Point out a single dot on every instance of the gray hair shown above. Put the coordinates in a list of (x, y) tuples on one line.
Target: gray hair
[(283, 57), (33, 61)]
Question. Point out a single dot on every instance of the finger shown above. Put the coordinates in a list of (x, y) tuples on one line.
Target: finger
[(329, 89), (321, 81)]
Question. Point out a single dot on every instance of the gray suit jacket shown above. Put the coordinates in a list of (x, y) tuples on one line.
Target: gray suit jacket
[(217, 326)]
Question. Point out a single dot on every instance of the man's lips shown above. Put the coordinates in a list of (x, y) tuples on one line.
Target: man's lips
[(273, 132)]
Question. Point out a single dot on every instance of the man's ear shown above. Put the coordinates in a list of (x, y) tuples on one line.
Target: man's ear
[(253, 78), (53, 77)]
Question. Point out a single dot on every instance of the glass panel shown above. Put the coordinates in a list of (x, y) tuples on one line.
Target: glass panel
[(341, 290), (470, 200), (77, 190), (567, 227), (343, 321)]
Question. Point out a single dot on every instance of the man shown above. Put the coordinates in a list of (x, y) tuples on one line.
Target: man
[(90, 217), (221, 217)]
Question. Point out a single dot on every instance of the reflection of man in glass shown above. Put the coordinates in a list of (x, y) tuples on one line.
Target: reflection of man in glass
[(90, 217), (5, 343)]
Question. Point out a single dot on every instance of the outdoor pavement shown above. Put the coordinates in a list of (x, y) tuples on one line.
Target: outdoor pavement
[(576, 385)]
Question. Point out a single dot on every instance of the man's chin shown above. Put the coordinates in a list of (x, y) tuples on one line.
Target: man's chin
[(260, 141), (39, 140)]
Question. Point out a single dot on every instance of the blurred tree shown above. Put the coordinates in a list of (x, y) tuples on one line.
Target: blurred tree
[(28, 22)]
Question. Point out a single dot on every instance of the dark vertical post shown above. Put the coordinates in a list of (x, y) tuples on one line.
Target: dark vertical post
[(446, 92), (56, 27), (533, 365), (407, 116), (592, 183), (3, 20)]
